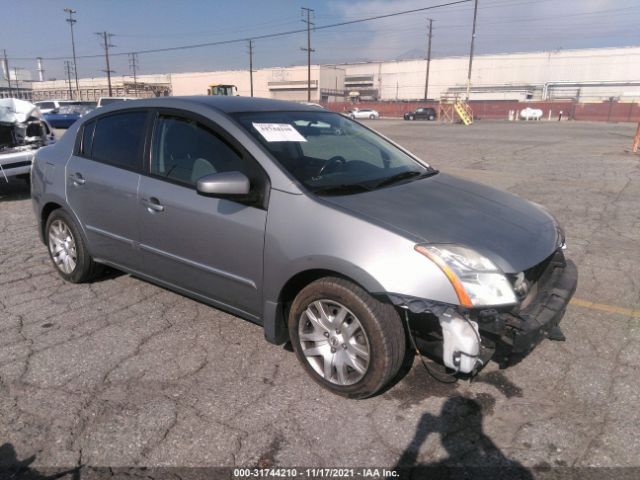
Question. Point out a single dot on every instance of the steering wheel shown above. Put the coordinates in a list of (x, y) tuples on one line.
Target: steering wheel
[(332, 161)]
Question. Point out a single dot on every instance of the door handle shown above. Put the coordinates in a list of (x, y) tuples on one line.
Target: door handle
[(77, 179), (153, 205)]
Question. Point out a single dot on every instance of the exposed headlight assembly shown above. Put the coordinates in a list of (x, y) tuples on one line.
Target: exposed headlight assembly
[(477, 281)]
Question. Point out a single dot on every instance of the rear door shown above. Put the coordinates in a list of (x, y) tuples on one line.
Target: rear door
[(102, 184), (209, 246)]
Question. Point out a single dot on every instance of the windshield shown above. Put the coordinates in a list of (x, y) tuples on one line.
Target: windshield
[(329, 153)]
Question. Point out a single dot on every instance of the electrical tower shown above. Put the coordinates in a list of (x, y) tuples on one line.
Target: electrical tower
[(68, 67), (308, 12), (473, 39), (106, 43), (426, 80), (71, 21), (251, 66), (133, 65), (7, 72)]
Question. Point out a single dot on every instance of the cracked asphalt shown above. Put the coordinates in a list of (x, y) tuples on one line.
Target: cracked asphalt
[(124, 373)]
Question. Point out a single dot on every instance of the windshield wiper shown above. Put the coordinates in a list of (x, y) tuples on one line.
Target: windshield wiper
[(342, 188), (404, 176)]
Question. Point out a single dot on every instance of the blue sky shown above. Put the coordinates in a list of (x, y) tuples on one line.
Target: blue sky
[(32, 28)]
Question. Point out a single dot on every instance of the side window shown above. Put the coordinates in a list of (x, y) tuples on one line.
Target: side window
[(118, 139), (184, 150), (87, 139)]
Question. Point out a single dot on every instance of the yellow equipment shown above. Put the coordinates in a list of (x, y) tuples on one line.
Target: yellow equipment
[(220, 89)]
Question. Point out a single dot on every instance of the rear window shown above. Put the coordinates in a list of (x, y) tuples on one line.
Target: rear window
[(118, 139), (46, 105)]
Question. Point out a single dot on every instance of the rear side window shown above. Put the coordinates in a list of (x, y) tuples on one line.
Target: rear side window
[(87, 138), (118, 139)]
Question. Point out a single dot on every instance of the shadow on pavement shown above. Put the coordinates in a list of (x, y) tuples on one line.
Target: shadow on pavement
[(12, 468), (15, 189), (472, 454)]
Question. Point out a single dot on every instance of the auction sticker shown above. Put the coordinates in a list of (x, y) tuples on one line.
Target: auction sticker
[(279, 132)]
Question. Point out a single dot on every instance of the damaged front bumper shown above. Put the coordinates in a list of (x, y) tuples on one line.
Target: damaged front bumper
[(507, 335)]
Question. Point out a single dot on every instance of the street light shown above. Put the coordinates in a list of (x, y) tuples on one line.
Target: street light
[(71, 21)]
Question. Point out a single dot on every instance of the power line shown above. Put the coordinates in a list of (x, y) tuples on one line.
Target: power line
[(67, 68), (473, 39), (426, 80), (106, 37), (8, 72), (251, 66), (71, 21), (269, 35), (133, 65), (309, 12)]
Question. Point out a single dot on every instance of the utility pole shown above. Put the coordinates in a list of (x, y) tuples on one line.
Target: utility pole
[(106, 37), (8, 72), (71, 21), (15, 75), (426, 80), (133, 65), (251, 65), (308, 12), (473, 38), (67, 68)]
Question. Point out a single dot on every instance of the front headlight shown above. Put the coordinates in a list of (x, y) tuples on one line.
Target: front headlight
[(477, 281)]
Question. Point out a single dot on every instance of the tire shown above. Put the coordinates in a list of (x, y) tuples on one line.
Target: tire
[(372, 117), (431, 117), (82, 268), (368, 326), (412, 117)]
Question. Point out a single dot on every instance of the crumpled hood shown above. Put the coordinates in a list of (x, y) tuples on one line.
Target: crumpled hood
[(511, 231)]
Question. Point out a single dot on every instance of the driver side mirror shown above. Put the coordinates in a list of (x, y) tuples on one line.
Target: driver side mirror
[(234, 185)]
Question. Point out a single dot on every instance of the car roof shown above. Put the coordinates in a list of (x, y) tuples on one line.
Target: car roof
[(221, 103)]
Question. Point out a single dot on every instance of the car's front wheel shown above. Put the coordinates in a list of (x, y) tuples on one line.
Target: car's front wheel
[(372, 116), (348, 341), (67, 248)]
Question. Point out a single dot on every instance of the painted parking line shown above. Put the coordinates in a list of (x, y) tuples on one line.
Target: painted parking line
[(630, 312)]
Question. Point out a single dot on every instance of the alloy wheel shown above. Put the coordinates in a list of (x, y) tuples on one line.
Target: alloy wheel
[(334, 342), (62, 246)]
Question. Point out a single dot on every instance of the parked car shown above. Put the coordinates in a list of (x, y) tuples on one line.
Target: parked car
[(67, 115), (47, 106), (22, 132), (103, 101), (531, 113), (364, 113), (421, 113), (307, 223)]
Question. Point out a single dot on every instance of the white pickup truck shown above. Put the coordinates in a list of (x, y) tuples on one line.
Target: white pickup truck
[(22, 132)]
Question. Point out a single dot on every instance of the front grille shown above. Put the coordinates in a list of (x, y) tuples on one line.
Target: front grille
[(525, 284)]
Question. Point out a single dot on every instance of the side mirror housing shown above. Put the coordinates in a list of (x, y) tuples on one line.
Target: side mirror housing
[(224, 185)]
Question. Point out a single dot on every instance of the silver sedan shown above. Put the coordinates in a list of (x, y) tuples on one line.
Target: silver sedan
[(311, 225)]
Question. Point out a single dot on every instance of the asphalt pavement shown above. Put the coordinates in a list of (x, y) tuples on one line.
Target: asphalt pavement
[(123, 373)]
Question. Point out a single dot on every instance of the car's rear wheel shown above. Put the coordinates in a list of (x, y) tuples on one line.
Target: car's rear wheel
[(67, 248), (432, 117), (372, 116), (349, 342)]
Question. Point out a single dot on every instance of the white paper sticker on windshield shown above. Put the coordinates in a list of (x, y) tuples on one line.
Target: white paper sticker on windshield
[(279, 132)]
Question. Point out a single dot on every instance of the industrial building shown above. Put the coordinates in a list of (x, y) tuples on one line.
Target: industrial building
[(585, 75)]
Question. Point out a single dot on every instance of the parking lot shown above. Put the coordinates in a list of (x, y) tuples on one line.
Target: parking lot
[(124, 373)]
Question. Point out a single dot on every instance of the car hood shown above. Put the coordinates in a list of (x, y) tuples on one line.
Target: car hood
[(515, 233)]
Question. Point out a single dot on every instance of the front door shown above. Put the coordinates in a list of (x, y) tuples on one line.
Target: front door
[(210, 246)]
